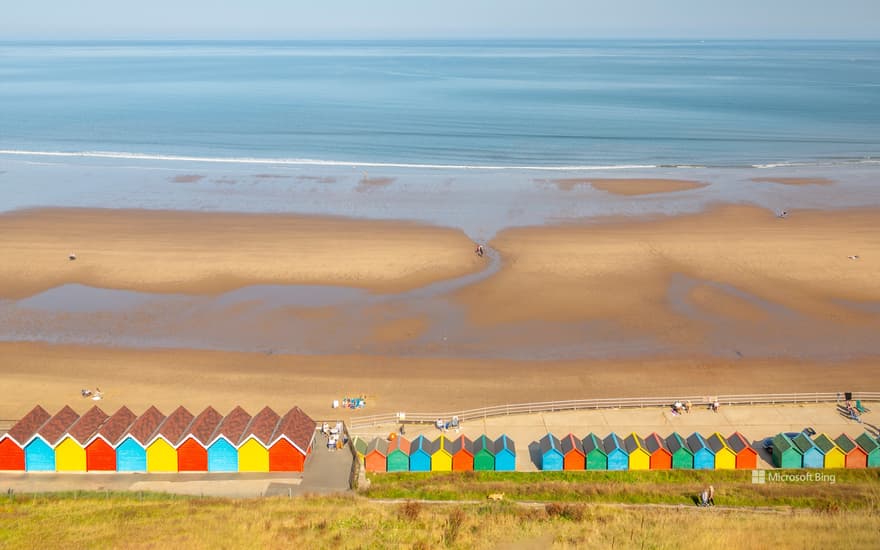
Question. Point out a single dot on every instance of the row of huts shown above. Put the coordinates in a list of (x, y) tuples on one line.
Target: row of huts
[(653, 452), (801, 451), (440, 455), (154, 442)]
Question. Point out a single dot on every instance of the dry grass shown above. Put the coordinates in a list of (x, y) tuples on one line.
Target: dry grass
[(156, 522)]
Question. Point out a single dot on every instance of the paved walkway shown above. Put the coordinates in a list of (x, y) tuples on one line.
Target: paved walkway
[(755, 422), (326, 472)]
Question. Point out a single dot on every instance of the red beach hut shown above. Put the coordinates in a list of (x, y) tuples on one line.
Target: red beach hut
[(376, 457), (573, 456), (101, 450), (292, 442), (854, 456), (746, 456), (12, 442), (462, 450), (192, 452), (661, 458)]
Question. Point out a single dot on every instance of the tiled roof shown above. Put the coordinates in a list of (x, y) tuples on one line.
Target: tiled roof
[(175, 425), (54, 429), (296, 426), (88, 424), (146, 424), (27, 427), (262, 426), (233, 425), (117, 425), (204, 426)]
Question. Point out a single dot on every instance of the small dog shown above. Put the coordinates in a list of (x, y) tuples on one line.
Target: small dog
[(496, 496)]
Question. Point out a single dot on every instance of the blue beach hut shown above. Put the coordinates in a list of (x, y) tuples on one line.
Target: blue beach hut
[(131, 453), (222, 454), (551, 454), (704, 458), (618, 459), (39, 456), (813, 455), (505, 454), (420, 454), (222, 457)]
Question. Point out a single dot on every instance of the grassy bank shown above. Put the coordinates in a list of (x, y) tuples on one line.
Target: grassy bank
[(117, 520), (852, 489)]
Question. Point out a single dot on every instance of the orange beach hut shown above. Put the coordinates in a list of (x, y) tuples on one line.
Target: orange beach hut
[(12, 443), (101, 449), (192, 451), (292, 441), (661, 458)]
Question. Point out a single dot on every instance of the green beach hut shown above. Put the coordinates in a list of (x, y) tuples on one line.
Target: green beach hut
[(484, 454), (785, 453), (871, 448), (682, 457), (397, 459), (596, 457)]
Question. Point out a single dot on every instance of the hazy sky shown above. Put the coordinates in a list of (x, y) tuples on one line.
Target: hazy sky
[(292, 19)]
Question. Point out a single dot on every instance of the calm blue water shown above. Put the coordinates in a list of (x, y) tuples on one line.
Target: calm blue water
[(541, 104)]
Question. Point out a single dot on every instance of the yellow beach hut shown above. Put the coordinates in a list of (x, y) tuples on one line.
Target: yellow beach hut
[(639, 455), (162, 449), (834, 455), (725, 456), (441, 457), (253, 448), (70, 454)]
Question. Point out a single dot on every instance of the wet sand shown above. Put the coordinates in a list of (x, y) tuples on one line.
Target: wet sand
[(53, 376), (795, 181), (630, 187), (192, 252)]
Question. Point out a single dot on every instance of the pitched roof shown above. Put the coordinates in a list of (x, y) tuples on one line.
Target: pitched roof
[(117, 425), (57, 426), (868, 443), (262, 426), (611, 443), (654, 443), (233, 425), (420, 443), (846, 443), (549, 442), (739, 443), (504, 442), (676, 443), (204, 426), (483, 443), (825, 443), (593, 443), (783, 443), (377, 445), (400, 444), (696, 442), (173, 428), (461, 443), (717, 442), (633, 442), (296, 426), (802, 442), (359, 445), (440, 444), (87, 425), (27, 427), (145, 426), (570, 443)]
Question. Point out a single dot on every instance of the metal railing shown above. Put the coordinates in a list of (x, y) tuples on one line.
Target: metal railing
[(607, 403)]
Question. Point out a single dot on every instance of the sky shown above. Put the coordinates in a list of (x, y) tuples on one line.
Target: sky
[(437, 19)]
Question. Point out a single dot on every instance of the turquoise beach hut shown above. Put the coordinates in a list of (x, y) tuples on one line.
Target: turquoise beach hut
[(551, 454), (420, 452), (785, 453), (871, 446), (505, 454), (813, 455), (222, 454), (595, 451), (131, 453), (39, 456), (618, 459), (704, 457)]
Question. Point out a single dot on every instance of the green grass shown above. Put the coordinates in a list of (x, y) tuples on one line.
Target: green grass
[(853, 489), (113, 520)]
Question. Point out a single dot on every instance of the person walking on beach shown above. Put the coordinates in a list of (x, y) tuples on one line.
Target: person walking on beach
[(711, 501), (479, 250)]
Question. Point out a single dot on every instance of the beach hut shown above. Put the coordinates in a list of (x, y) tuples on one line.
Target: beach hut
[(746, 456), (785, 453), (131, 453), (70, 453), (682, 457), (661, 458), (855, 456), (360, 447), (292, 442), (462, 450), (639, 456), (253, 448), (192, 451), (615, 450), (398, 455), (505, 454), (376, 457), (704, 458), (101, 449), (871, 448), (39, 453), (834, 455), (573, 456), (594, 452), (420, 454), (441, 457), (813, 457), (13, 442), (484, 454), (725, 456), (222, 451), (162, 448), (552, 458)]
